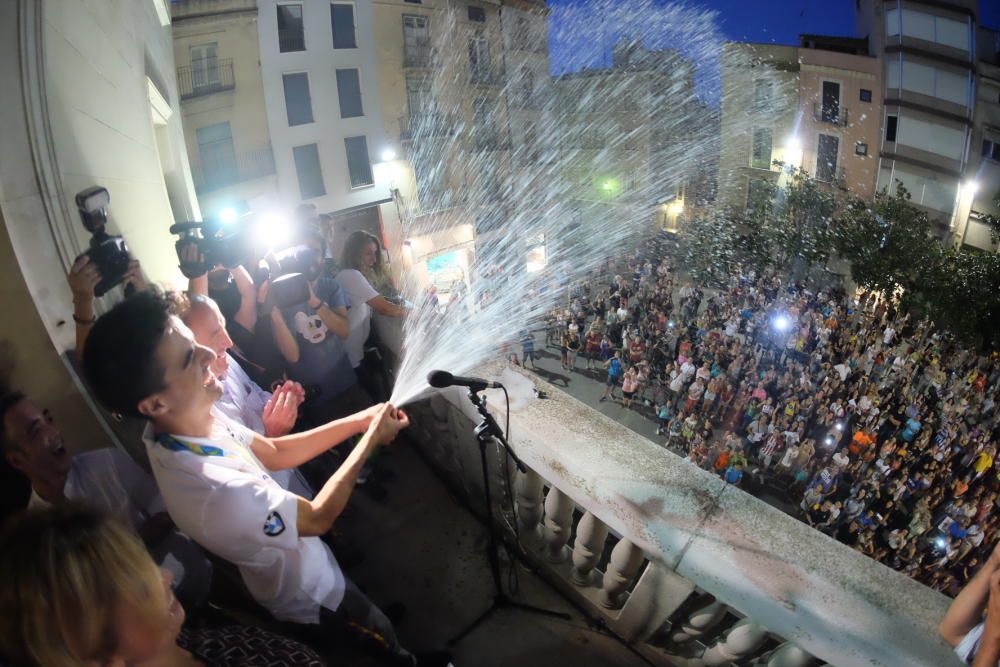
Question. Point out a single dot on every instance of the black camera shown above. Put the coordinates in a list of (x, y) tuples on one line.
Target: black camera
[(219, 244), (289, 290), (108, 253)]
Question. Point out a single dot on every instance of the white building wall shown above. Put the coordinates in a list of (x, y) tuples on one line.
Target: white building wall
[(328, 130)]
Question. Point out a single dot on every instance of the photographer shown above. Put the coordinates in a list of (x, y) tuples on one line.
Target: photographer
[(308, 314), (83, 277), (213, 473)]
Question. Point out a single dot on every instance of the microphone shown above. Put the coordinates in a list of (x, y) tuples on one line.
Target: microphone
[(442, 379)]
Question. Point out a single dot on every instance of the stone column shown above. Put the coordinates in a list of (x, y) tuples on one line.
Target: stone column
[(558, 524), (528, 494), (591, 533), (739, 643), (707, 613), (625, 561)]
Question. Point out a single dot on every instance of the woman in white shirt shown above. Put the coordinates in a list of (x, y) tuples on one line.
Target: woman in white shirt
[(362, 263)]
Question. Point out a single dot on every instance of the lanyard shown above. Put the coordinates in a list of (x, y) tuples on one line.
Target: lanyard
[(176, 444)]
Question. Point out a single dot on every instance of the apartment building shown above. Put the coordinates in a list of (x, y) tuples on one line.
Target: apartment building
[(759, 118), (222, 105), (462, 85), (929, 59), (982, 173), (840, 102)]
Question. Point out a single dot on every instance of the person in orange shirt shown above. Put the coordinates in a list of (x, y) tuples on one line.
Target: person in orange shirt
[(860, 443)]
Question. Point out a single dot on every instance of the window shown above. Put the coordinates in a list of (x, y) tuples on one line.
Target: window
[(477, 14), (830, 111), (758, 192), (479, 56), (414, 2), (349, 93), (991, 149), (762, 91), (928, 27), (861, 148), (933, 137), (418, 95), (204, 66), (890, 128), (359, 166), (527, 86), (290, 34), (866, 95), (342, 22), (924, 190), (308, 170), (826, 158), (927, 80), (760, 157), (298, 105), (218, 159), (416, 41)]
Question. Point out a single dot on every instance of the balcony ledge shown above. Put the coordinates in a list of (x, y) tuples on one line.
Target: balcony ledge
[(828, 599)]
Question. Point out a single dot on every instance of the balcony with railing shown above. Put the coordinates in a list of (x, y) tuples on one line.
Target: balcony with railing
[(219, 169), (682, 567), (425, 125), (205, 77), (486, 76), (418, 57), (833, 114)]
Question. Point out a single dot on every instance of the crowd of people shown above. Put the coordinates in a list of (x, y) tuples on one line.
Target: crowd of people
[(870, 426), (260, 389)]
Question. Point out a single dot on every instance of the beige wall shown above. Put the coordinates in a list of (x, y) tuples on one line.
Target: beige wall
[(235, 34), (853, 73), (77, 112), (742, 65)]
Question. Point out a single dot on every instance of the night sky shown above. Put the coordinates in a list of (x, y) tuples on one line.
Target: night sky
[(765, 21)]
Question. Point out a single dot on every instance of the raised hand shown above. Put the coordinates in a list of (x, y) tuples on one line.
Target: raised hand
[(282, 410)]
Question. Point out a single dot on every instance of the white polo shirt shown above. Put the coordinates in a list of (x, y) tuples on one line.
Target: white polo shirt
[(217, 492)]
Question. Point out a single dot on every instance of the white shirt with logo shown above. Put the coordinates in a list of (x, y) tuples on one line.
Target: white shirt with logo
[(231, 505)]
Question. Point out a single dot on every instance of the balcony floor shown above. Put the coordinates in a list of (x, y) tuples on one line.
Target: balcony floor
[(424, 548)]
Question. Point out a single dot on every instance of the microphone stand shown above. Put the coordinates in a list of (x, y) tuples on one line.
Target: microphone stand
[(486, 432)]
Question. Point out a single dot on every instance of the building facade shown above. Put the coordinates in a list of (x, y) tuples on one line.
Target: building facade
[(929, 58), (222, 104), (840, 98), (760, 110)]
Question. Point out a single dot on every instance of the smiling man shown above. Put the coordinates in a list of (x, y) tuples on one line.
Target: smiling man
[(106, 479), (214, 473)]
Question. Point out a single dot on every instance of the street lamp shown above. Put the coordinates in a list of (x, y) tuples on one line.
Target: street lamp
[(388, 155)]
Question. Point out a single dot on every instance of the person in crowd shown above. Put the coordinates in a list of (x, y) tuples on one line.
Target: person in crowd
[(243, 401), (143, 362), (616, 372), (82, 590), (362, 267), (107, 479), (902, 428), (527, 340), (976, 640)]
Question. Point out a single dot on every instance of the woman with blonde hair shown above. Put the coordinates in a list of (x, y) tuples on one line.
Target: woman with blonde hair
[(81, 590)]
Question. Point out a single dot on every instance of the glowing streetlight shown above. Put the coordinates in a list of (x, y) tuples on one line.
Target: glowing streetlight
[(781, 323), (972, 187), (388, 155), (676, 208), (228, 215)]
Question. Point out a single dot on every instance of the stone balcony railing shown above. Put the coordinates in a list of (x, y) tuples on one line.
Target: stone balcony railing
[(687, 569)]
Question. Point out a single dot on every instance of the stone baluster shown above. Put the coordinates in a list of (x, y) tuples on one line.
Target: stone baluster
[(739, 643), (591, 533), (557, 525), (786, 655), (706, 614), (528, 489), (622, 567)]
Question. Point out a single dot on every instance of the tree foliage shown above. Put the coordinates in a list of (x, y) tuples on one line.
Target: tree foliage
[(891, 248)]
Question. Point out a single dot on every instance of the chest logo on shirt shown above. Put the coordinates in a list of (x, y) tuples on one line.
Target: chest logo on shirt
[(274, 525), (310, 327)]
